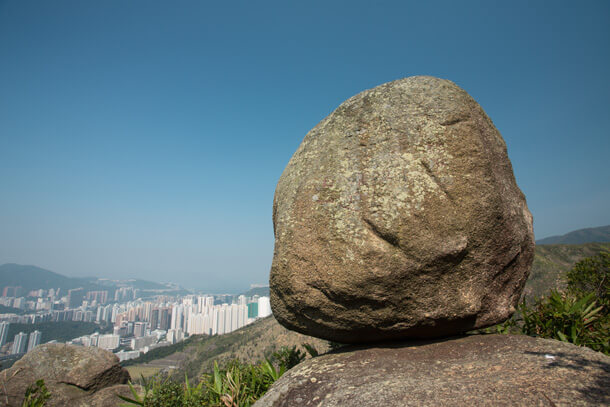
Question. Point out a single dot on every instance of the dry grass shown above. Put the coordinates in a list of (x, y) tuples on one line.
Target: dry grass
[(136, 371)]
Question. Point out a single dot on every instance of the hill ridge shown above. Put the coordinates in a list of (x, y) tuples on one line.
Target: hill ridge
[(599, 234)]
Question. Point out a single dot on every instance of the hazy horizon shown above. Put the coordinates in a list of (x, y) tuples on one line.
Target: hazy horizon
[(144, 140)]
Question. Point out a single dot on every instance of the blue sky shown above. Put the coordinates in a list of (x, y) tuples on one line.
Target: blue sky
[(145, 139)]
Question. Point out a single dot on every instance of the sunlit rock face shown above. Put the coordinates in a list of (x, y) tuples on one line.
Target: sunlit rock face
[(74, 376), (474, 370), (399, 216)]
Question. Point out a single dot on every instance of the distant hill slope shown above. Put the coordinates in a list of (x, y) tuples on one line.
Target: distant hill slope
[(581, 236), (551, 262), (251, 343), (32, 277), (260, 291)]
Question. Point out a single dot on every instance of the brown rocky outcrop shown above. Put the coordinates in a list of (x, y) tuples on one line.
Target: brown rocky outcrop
[(496, 370), (399, 216), (74, 376)]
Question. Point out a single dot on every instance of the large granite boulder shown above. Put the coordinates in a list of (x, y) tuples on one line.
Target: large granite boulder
[(399, 216), (490, 370), (72, 374)]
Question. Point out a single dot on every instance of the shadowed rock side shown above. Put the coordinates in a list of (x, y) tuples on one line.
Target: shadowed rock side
[(399, 216), (74, 376), (498, 370)]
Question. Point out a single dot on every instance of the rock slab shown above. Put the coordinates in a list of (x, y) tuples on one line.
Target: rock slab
[(74, 375), (495, 370), (399, 216)]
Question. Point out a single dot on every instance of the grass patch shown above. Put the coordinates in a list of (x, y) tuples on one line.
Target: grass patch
[(136, 371)]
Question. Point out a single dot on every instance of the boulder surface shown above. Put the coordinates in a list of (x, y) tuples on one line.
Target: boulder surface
[(72, 374), (494, 370), (399, 216)]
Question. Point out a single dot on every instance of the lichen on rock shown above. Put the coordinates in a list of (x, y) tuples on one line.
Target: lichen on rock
[(399, 216)]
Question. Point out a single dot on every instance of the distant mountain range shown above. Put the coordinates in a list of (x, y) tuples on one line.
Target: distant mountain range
[(32, 277), (599, 235), (260, 291)]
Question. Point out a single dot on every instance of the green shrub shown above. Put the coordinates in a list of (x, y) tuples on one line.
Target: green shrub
[(159, 392), (591, 275), (36, 395), (237, 384), (578, 315), (289, 357), (568, 318)]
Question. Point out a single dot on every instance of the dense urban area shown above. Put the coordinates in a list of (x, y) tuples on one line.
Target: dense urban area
[(129, 325)]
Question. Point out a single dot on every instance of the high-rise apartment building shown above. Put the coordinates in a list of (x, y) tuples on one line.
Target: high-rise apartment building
[(19, 303), (109, 341), (139, 329), (252, 309), (154, 319), (177, 317), (164, 318), (20, 343), (3, 332), (34, 340), (75, 297), (264, 307)]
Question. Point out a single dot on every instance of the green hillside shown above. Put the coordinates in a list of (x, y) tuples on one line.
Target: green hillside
[(32, 277), (251, 343), (260, 291), (551, 262), (600, 235), (61, 331), (10, 310)]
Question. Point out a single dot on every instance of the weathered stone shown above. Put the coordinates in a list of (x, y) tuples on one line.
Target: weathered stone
[(108, 397), (399, 216), (494, 370), (69, 372)]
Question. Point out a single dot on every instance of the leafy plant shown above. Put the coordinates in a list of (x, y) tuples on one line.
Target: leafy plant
[(236, 384), (36, 395), (313, 352), (567, 318), (270, 371), (591, 275), (578, 315), (137, 399), (289, 357)]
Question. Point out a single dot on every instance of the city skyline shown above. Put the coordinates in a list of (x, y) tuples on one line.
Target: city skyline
[(124, 321), (144, 140)]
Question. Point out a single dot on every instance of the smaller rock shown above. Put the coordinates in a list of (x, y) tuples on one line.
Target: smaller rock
[(70, 373), (108, 397)]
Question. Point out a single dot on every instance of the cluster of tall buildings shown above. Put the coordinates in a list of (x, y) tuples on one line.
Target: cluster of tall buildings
[(138, 324), (205, 317), (106, 341), (49, 306), (193, 315), (21, 344), (12, 291)]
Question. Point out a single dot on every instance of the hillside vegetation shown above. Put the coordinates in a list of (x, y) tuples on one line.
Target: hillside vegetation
[(600, 234), (61, 331), (250, 344), (32, 277), (552, 262)]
